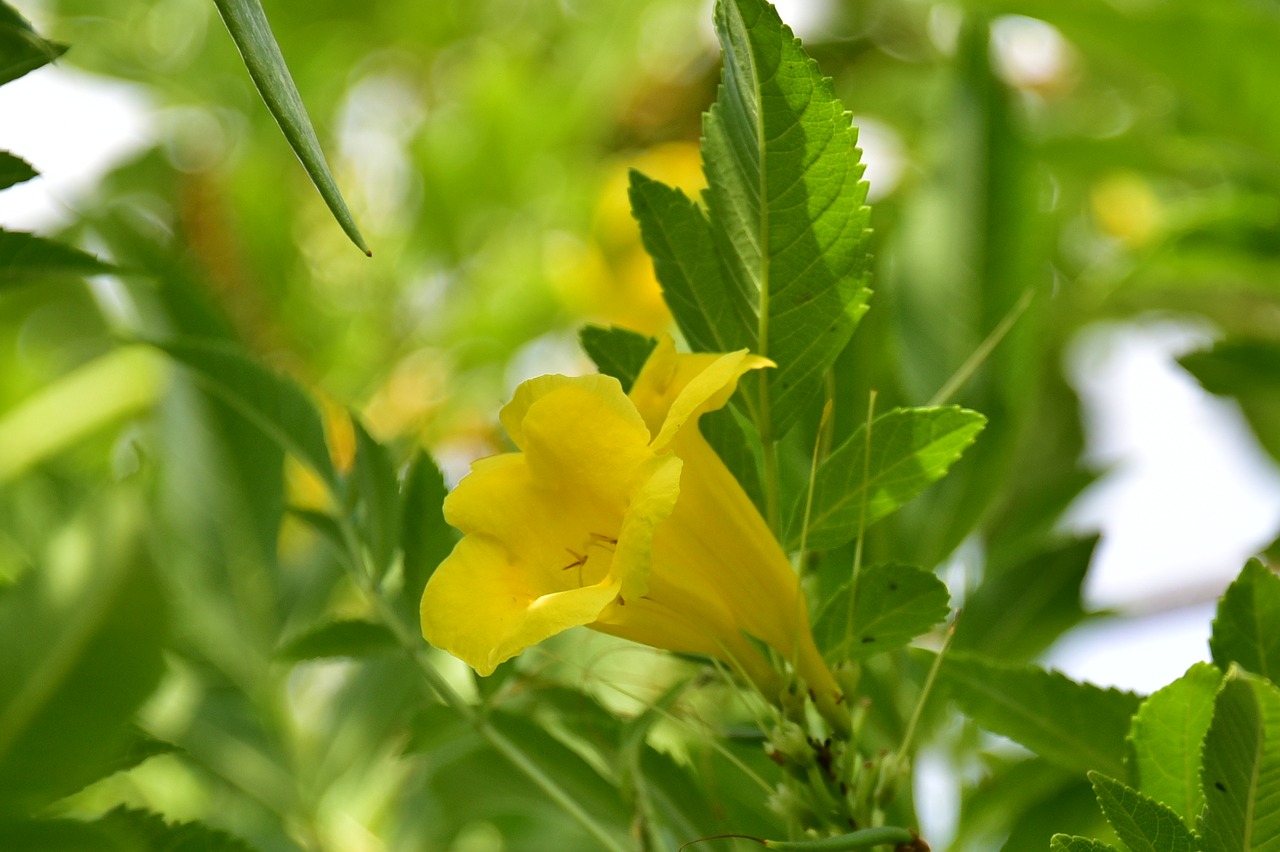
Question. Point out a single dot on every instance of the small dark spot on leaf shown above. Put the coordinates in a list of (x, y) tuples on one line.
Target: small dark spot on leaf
[(893, 587), (1221, 787), (867, 640)]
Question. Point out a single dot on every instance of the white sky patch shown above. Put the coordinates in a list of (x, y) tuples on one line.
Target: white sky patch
[(73, 128)]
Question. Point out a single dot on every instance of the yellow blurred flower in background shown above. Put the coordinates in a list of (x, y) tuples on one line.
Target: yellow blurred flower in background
[(616, 514)]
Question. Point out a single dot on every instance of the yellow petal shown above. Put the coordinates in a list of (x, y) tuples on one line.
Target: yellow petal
[(605, 388)]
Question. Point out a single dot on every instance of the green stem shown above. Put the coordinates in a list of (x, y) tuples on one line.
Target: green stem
[(984, 350)]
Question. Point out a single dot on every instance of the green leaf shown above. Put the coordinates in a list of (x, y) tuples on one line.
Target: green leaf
[(25, 258), (21, 50), (266, 399), (14, 170), (427, 539), (346, 638), (1241, 767), (1248, 370), (733, 437), (1245, 628), (1144, 824), (910, 448), (82, 638), (1019, 612), (1078, 726), (1166, 737), (142, 830), (894, 604), (617, 351), (1066, 843), (377, 493), (247, 23), (677, 235), (785, 203)]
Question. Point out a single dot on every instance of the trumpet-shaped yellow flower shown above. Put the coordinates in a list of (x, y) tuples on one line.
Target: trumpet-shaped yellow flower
[(616, 514)]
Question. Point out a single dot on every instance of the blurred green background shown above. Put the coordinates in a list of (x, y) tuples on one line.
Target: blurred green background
[(1119, 159)]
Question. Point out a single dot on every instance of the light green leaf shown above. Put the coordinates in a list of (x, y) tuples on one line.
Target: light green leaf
[(426, 538), (266, 399), (1019, 612), (345, 638), (1144, 824), (21, 50), (894, 604), (25, 258), (1166, 737), (1241, 767), (1078, 726), (785, 202), (1066, 843), (251, 33), (14, 170), (377, 498), (82, 638), (1245, 628), (910, 448), (617, 351)]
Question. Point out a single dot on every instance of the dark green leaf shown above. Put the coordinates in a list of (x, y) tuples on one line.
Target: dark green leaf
[(1167, 735), (14, 170), (617, 351), (1144, 824), (26, 257), (1079, 726), (82, 639), (21, 50), (143, 831), (249, 29), (1241, 771), (1248, 370), (427, 539), (347, 638), (139, 747), (785, 202), (1018, 613), (733, 438), (377, 493), (894, 604), (1245, 630), (910, 448), (1065, 843), (270, 401)]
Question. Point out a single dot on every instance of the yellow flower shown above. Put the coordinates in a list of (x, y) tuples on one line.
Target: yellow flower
[(618, 515)]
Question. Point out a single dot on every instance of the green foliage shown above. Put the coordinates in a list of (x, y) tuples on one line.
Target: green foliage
[(25, 258), (616, 351), (347, 638), (1243, 629), (1141, 822), (1246, 370), (14, 170), (1241, 772), (893, 605), (427, 539), (247, 24), (21, 49), (1066, 843)]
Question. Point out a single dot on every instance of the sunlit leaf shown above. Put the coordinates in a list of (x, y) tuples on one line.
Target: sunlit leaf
[(1066, 843), (910, 448), (247, 23), (1167, 734), (1241, 771), (1144, 824), (1078, 726), (894, 604), (1245, 628)]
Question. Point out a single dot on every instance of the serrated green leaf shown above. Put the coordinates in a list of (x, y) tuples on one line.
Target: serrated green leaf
[(144, 831), (894, 604), (427, 539), (617, 351), (785, 202), (377, 493), (266, 399), (82, 638), (21, 50), (14, 170), (1245, 628), (1078, 726), (247, 23), (1166, 737), (1241, 767), (1066, 843), (677, 235), (346, 638), (1144, 824), (910, 448), (1018, 613), (25, 258)]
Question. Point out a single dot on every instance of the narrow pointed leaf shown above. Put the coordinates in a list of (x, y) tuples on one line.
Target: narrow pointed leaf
[(14, 170), (910, 448), (1245, 628), (1144, 824), (377, 499), (346, 638), (1241, 774), (785, 202), (247, 23), (1166, 737), (1078, 726), (25, 258), (894, 604), (426, 538), (616, 351), (21, 50)]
